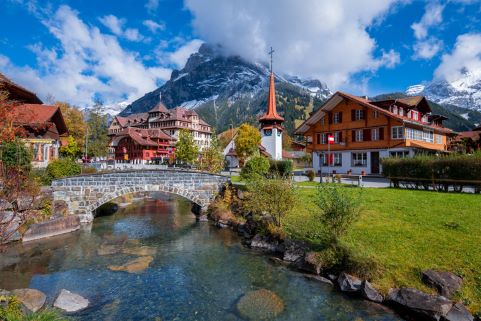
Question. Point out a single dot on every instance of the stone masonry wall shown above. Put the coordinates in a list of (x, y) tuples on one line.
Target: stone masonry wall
[(85, 193)]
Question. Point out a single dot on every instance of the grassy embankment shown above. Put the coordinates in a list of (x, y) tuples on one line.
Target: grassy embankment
[(405, 232)]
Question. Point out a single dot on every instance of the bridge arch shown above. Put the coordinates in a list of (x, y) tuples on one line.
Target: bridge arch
[(85, 193)]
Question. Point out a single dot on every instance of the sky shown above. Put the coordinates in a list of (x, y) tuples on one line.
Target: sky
[(80, 51)]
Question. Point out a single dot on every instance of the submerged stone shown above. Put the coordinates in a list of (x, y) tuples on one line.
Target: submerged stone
[(260, 305), (134, 266), (142, 250)]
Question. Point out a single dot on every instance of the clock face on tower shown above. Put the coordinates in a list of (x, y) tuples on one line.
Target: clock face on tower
[(268, 132)]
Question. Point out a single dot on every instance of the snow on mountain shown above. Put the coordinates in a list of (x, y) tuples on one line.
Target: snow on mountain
[(463, 92)]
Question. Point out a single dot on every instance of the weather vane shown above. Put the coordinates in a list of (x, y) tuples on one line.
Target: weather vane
[(271, 52)]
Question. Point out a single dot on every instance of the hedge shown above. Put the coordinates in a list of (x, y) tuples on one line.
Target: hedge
[(256, 167), (280, 168), (451, 167)]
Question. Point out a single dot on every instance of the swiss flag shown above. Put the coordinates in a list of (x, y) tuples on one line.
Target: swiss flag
[(330, 139)]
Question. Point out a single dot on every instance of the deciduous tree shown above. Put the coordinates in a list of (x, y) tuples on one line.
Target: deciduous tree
[(98, 139), (211, 158), (77, 127), (247, 142), (71, 150), (186, 150)]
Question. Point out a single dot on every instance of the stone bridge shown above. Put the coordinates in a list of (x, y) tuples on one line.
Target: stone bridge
[(85, 193)]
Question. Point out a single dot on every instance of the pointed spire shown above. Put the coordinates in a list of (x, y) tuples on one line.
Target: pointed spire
[(271, 115)]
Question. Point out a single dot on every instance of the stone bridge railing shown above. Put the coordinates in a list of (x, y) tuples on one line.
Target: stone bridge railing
[(83, 194)]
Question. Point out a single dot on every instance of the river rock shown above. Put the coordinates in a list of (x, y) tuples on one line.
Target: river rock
[(109, 249), (370, 293), (293, 251), (310, 263), (134, 266), (32, 299), (446, 283), (5, 205), (262, 243), (458, 313), (318, 278), (142, 250), (349, 283), (429, 307), (6, 217), (70, 302), (260, 305)]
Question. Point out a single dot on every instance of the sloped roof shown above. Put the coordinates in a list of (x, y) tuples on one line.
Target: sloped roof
[(159, 108), (335, 99), (34, 114), (144, 137), (17, 92)]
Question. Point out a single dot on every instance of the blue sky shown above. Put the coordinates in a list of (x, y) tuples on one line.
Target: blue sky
[(118, 50)]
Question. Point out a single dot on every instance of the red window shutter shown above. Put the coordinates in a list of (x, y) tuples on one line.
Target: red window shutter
[(353, 135), (353, 114), (340, 137), (381, 133), (340, 117), (366, 135)]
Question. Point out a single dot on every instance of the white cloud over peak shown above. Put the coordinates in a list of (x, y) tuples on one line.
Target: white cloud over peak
[(465, 57), (180, 56), (85, 63), (318, 38)]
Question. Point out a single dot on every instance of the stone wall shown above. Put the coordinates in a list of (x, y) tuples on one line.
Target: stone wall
[(83, 194)]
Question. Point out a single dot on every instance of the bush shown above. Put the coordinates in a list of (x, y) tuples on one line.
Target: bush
[(14, 154), (453, 167), (255, 168), (339, 209), (89, 170), (280, 168), (62, 168), (11, 310), (310, 175)]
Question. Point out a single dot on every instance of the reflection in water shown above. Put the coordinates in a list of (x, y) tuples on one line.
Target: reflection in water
[(197, 272)]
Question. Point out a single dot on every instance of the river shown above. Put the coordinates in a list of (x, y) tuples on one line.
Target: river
[(198, 272)]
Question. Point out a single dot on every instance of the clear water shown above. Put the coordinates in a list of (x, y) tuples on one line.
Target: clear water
[(198, 273)]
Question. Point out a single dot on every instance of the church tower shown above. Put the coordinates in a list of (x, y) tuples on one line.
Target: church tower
[(271, 122)]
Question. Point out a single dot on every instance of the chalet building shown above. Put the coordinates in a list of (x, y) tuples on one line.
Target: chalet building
[(151, 136), (365, 131), (42, 127)]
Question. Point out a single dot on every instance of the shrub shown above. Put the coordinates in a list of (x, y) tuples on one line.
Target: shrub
[(255, 168), (14, 154), (453, 167), (11, 310), (280, 168), (339, 209), (310, 175), (89, 170), (62, 168), (272, 196)]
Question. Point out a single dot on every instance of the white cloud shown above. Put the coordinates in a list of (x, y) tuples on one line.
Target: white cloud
[(116, 26), (85, 63), (318, 38), (465, 57), (433, 16), (153, 26), (428, 48), (152, 6), (180, 56)]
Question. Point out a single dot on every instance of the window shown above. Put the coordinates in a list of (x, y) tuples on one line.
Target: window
[(375, 134), (400, 154), (337, 137), (323, 138), (414, 115), (428, 136), (336, 119), (359, 135), (359, 159), (358, 114), (322, 121), (323, 159), (397, 132), (439, 139), (375, 114), (337, 159)]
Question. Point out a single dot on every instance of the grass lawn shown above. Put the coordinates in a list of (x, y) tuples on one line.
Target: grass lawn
[(307, 183), (405, 232), (236, 179)]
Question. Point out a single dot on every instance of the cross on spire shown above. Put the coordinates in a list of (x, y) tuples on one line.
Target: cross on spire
[(271, 53)]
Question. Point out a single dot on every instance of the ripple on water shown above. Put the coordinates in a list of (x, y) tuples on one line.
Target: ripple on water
[(196, 273)]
